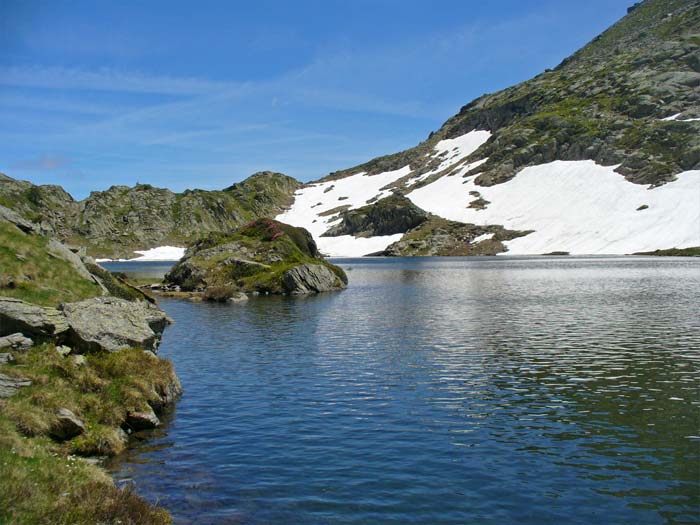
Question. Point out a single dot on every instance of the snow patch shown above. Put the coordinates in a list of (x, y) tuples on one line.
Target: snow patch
[(160, 253), (576, 206), (483, 237)]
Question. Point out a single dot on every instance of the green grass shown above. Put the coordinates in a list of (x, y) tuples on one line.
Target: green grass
[(29, 273), (41, 481)]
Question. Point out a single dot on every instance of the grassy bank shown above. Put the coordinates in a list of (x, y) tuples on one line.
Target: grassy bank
[(44, 480)]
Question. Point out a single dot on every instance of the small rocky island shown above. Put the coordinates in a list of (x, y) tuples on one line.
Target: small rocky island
[(262, 257)]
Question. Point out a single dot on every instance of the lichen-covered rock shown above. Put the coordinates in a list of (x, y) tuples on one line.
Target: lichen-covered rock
[(110, 323), (39, 322), (67, 425), (311, 278)]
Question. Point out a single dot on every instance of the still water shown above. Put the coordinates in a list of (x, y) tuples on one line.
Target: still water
[(483, 390)]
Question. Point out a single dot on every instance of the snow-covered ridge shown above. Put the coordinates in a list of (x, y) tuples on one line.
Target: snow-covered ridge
[(312, 202), (578, 207)]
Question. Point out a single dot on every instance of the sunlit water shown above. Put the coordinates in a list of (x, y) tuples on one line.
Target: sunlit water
[(490, 390)]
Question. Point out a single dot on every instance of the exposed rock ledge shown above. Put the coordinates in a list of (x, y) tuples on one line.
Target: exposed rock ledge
[(101, 323)]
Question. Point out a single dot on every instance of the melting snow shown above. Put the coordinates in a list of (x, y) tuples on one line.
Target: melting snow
[(575, 206)]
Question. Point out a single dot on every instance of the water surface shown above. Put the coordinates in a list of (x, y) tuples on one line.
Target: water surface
[(483, 390)]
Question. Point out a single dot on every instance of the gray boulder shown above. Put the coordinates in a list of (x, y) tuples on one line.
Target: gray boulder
[(61, 251), (311, 278), (6, 357), (141, 420), (15, 218), (67, 425), (15, 342), (9, 385), (111, 324), (41, 322)]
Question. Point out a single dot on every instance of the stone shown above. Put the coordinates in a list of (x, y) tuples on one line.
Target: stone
[(6, 358), (141, 420), (78, 360), (16, 342), (311, 278), (238, 297), (67, 425), (61, 251), (111, 324), (9, 385), (15, 218), (63, 350), (41, 322)]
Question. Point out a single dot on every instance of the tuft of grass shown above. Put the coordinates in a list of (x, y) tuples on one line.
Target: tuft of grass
[(42, 480), (29, 273), (43, 486), (100, 393)]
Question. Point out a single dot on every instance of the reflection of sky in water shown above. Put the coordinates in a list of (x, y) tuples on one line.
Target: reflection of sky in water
[(440, 391)]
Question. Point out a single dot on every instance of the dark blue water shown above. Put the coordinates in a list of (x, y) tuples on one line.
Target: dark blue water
[(490, 390)]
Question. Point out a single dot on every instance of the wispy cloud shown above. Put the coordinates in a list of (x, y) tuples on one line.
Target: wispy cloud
[(108, 80), (43, 163)]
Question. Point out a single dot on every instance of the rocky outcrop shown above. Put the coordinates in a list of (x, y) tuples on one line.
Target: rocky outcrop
[(264, 256), (311, 278), (16, 342), (38, 322), (67, 425), (440, 237), (110, 323), (114, 222), (609, 102), (388, 216), (102, 323)]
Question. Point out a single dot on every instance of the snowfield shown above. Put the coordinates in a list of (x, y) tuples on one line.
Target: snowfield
[(578, 207), (312, 201), (160, 253), (575, 206)]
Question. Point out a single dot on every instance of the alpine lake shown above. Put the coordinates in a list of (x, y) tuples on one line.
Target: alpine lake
[(487, 390)]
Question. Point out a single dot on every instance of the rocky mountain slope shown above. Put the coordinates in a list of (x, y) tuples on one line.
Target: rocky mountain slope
[(598, 155), (115, 222)]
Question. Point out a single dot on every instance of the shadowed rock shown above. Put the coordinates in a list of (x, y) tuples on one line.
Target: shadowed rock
[(10, 385), (67, 425), (43, 323)]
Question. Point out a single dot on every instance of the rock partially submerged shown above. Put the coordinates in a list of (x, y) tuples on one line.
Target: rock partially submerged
[(264, 256), (309, 278)]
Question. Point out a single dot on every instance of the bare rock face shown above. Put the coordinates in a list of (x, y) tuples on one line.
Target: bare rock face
[(67, 425), (311, 278), (9, 385), (110, 323), (40, 322)]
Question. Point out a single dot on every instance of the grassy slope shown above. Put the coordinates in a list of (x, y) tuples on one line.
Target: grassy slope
[(29, 273), (42, 482)]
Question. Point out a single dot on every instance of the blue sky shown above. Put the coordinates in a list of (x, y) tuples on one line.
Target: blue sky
[(202, 94)]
